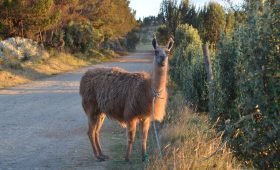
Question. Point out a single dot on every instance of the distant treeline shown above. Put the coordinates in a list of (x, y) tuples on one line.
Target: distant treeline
[(211, 20)]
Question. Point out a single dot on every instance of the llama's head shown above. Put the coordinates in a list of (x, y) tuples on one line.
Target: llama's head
[(161, 53)]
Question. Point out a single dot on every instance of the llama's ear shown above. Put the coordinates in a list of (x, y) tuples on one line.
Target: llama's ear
[(170, 44), (154, 42)]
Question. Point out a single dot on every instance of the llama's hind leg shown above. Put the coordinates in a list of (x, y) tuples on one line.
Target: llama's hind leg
[(99, 124), (131, 134), (93, 118), (92, 136)]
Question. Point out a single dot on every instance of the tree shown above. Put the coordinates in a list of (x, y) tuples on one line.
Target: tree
[(27, 18), (113, 17), (213, 24), (192, 17), (230, 23), (170, 12), (46, 20), (184, 9)]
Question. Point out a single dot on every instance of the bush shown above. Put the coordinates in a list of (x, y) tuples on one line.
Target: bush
[(115, 45), (162, 34), (82, 37), (187, 34), (187, 67), (132, 39), (15, 50), (246, 87), (225, 81)]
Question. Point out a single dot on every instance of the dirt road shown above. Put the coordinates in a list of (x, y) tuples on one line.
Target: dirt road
[(43, 126)]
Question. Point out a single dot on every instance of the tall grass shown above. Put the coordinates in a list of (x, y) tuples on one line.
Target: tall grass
[(188, 140)]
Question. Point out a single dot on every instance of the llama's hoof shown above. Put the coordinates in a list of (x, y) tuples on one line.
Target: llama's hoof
[(100, 158), (105, 157), (127, 160), (145, 158)]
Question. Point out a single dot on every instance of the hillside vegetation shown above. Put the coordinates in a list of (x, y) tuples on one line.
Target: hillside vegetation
[(47, 37)]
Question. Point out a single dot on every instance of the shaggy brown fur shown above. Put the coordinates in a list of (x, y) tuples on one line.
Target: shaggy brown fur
[(126, 97)]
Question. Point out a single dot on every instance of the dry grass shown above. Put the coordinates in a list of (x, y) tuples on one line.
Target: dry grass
[(18, 73), (187, 139)]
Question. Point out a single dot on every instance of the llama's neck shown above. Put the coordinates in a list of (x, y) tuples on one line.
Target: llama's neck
[(159, 81), (159, 78)]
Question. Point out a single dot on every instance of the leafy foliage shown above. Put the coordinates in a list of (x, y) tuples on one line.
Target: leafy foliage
[(169, 11), (213, 23), (211, 20), (246, 87), (82, 37), (162, 34), (187, 65), (132, 39), (46, 20), (151, 21)]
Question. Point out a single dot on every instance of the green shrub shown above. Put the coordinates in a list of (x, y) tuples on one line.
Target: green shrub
[(187, 67), (12, 62), (82, 37), (246, 87), (187, 34), (162, 34), (132, 39), (225, 81)]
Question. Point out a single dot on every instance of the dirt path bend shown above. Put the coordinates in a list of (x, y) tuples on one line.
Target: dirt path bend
[(43, 126)]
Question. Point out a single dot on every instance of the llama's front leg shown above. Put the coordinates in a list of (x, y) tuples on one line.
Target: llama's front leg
[(131, 134), (144, 128)]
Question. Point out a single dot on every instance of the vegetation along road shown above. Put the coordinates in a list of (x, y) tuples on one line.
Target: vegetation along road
[(43, 125)]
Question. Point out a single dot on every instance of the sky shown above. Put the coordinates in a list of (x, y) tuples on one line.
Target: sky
[(151, 7)]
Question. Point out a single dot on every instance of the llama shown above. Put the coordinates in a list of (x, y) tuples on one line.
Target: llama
[(125, 97)]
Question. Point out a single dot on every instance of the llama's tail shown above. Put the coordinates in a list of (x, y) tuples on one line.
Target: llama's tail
[(86, 88), (83, 86)]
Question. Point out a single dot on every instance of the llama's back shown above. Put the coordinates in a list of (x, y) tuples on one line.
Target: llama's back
[(112, 90)]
